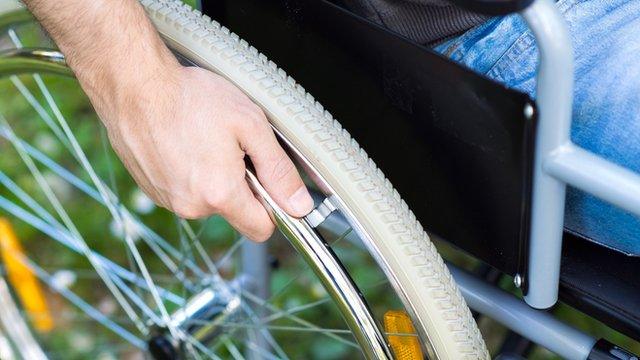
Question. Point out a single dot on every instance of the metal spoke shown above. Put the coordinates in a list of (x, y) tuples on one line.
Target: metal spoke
[(264, 332), (132, 265), (198, 345), (301, 273), (150, 238), (33, 205), (69, 241), (136, 299), (294, 310), (186, 250), (77, 301), (155, 241), (231, 347), (44, 186), (229, 253), (261, 351), (236, 325), (31, 99), (15, 325), (296, 319), (198, 246)]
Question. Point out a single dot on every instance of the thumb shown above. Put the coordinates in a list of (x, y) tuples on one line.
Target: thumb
[(277, 173)]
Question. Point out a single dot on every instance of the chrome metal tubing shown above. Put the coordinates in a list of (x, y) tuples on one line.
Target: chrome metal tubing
[(25, 60), (330, 271)]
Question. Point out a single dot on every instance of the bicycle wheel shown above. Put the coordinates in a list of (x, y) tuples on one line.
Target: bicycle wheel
[(390, 242)]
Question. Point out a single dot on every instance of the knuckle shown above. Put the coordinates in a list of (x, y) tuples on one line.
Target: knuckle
[(218, 198), (254, 118), (282, 169)]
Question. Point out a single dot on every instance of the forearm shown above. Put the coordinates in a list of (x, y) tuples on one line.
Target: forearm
[(110, 45)]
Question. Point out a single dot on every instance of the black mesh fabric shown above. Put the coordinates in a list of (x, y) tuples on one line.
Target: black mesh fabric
[(424, 21)]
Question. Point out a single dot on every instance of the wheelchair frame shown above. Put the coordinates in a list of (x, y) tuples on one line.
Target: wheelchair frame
[(557, 163)]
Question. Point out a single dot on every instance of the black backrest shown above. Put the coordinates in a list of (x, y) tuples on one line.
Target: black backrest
[(456, 145)]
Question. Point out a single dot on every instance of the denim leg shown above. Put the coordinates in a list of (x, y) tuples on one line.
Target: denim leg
[(606, 110)]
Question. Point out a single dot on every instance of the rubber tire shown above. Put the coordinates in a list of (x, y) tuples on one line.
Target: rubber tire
[(439, 311)]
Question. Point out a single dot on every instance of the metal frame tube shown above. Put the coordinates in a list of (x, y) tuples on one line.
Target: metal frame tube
[(257, 271), (558, 161), (536, 325), (589, 172), (555, 96)]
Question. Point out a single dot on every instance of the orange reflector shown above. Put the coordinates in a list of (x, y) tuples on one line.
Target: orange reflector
[(402, 336), (22, 279)]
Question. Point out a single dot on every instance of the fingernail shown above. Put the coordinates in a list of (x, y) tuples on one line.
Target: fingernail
[(301, 202)]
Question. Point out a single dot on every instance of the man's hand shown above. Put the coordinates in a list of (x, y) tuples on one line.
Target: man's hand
[(184, 138), (182, 132)]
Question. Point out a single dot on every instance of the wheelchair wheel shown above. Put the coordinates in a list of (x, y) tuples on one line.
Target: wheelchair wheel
[(148, 268)]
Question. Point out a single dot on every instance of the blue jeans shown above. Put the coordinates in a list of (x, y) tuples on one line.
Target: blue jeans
[(606, 110)]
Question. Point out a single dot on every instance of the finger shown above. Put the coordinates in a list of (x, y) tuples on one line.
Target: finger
[(246, 214), (277, 173)]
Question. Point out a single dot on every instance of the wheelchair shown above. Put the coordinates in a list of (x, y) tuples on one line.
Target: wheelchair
[(473, 159)]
